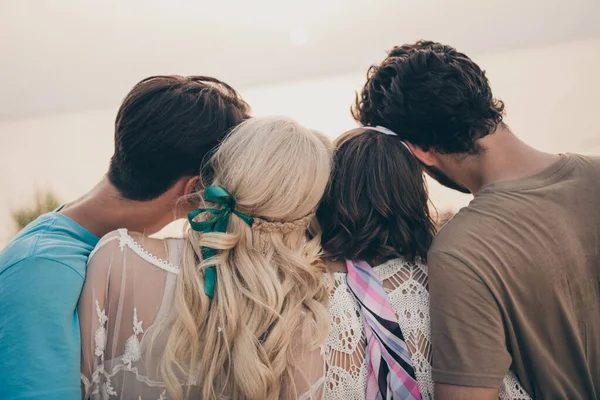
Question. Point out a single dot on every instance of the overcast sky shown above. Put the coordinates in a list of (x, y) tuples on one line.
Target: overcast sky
[(74, 55)]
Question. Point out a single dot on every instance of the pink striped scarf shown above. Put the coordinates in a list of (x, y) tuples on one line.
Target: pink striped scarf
[(390, 370)]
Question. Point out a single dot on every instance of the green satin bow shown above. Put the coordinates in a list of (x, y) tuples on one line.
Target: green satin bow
[(217, 195)]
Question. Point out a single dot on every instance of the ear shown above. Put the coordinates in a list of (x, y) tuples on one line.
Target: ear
[(183, 204), (191, 185), (426, 157)]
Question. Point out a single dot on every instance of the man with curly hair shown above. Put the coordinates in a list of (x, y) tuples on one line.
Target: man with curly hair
[(510, 287)]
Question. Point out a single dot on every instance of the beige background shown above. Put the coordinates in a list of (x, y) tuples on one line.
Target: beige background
[(60, 137)]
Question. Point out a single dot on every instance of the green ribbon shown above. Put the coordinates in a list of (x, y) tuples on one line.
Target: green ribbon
[(216, 195)]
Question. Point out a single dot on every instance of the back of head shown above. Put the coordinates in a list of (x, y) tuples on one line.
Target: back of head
[(269, 292), (432, 96), (276, 168), (166, 127), (376, 207)]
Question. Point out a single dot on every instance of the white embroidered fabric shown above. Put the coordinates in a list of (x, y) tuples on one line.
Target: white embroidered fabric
[(406, 285), (129, 291), (128, 294)]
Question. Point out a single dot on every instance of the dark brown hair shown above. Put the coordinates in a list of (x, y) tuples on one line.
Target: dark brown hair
[(432, 96), (165, 129), (376, 207)]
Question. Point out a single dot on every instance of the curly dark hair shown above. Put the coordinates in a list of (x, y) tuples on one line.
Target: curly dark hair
[(432, 96), (376, 206)]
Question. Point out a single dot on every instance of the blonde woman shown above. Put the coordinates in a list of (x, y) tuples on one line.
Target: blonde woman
[(237, 309)]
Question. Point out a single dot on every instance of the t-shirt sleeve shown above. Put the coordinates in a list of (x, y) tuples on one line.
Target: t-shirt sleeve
[(39, 335), (469, 346)]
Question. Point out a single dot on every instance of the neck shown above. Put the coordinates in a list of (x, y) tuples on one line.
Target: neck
[(103, 210), (503, 157)]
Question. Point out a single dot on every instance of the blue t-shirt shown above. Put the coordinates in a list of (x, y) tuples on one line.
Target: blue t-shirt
[(41, 277)]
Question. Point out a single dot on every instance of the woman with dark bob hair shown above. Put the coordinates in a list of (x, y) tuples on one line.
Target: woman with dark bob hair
[(376, 230)]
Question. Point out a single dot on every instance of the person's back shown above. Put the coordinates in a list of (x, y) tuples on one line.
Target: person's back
[(534, 244), (129, 292), (514, 276), (376, 210), (234, 310), (42, 270)]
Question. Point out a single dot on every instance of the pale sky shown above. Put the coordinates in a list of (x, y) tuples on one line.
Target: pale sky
[(76, 55), (66, 68)]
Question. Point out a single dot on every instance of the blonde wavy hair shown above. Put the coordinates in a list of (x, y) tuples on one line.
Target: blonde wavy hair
[(269, 291)]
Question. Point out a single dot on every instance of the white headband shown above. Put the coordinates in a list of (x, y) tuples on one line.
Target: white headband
[(386, 131)]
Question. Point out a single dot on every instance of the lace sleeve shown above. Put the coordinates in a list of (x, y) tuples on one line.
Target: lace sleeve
[(127, 290), (309, 378), (344, 349), (512, 389), (93, 319)]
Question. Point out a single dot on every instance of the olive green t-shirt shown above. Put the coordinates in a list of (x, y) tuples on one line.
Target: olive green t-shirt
[(515, 284)]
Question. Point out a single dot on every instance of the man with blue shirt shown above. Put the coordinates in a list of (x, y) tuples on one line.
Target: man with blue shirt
[(165, 128)]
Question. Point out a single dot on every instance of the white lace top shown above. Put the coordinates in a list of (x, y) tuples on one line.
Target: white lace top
[(406, 285), (129, 291)]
